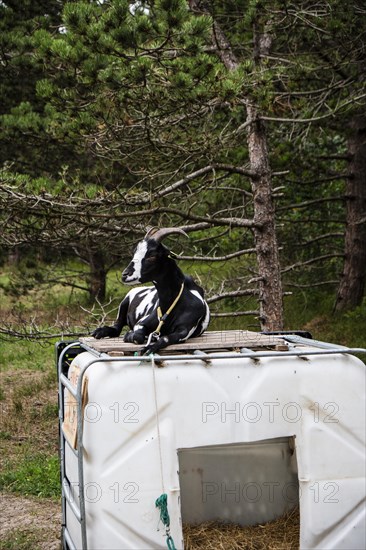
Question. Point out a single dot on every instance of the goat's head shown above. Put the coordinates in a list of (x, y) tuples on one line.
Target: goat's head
[(149, 256)]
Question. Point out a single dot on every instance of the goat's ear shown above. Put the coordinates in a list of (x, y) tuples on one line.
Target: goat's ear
[(173, 255), (163, 250)]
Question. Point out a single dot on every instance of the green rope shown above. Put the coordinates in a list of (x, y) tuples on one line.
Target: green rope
[(162, 504)]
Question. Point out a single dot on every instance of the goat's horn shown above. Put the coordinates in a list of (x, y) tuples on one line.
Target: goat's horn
[(160, 234), (150, 231)]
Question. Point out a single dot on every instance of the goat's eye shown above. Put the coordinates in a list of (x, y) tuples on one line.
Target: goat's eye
[(151, 259)]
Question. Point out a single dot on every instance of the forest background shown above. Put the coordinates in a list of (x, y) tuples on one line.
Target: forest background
[(240, 121)]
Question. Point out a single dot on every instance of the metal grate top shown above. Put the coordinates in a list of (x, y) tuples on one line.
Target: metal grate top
[(210, 340)]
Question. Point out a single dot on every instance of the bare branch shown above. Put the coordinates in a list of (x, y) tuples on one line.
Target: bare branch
[(201, 172), (231, 222), (235, 313), (310, 203), (218, 258), (183, 181), (320, 180), (315, 118), (236, 170), (232, 294), (311, 261), (311, 285), (320, 238), (6, 334)]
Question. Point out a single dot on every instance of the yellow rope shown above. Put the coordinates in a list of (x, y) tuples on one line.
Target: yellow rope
[(161, 317)]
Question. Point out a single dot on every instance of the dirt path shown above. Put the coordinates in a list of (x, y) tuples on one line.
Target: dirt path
[(29, 523)]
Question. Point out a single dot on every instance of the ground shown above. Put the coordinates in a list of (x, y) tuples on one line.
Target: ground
[(29, 523), (30, 508)]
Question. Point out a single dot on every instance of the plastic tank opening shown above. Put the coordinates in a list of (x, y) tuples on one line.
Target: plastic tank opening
[(245, 484)]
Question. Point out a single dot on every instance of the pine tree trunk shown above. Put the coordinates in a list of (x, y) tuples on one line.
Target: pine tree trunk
[(97, 281), (270, 285), (352, 285)]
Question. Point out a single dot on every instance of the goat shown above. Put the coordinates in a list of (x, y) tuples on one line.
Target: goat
[(186, 314)]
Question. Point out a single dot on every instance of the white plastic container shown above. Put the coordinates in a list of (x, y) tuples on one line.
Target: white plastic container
[(239, 437)]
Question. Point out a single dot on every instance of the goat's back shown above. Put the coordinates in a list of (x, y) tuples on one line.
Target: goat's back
[(190, 284)]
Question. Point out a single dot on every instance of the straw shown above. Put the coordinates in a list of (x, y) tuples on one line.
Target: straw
[(280, 534)]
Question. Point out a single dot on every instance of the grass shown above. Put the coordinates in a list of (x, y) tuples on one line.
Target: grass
[(29, 421), (25, 355), (20, 540), (28, 391), (36, 475), (315, 313)]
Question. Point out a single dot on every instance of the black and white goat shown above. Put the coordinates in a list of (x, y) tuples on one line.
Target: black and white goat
[(171, 311)]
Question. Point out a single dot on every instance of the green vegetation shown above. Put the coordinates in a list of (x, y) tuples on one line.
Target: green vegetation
[(117, 117), (59, 309), (28, 396), (20, 540), (314, 312), (36, 475), (24, 355), (29, 430)]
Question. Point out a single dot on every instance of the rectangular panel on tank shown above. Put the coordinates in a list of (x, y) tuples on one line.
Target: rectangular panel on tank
[(242, 483)]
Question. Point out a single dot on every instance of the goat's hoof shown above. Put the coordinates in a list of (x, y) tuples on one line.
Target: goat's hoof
[(134, 338), (128, 337), (149, 350), (104, 332), (99, 333)]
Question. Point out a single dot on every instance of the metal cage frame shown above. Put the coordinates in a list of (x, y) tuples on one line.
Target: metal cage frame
[(67, 351)]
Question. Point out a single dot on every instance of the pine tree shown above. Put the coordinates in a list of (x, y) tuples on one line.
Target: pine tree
[(183, 112)]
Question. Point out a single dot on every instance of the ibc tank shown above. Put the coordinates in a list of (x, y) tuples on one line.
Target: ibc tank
[(238, 436)]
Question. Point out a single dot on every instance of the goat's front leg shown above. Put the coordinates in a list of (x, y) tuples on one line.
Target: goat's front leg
[(142, 329), (136, 336), (105, 332), (164, 341)]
